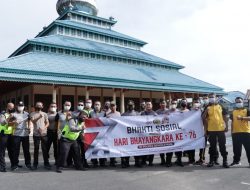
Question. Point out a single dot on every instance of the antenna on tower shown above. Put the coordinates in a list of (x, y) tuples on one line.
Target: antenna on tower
[(71, 7)]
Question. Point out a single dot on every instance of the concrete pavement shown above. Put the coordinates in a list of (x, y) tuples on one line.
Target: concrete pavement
[(156, 177)]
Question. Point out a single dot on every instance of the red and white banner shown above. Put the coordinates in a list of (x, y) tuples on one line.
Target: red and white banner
[(143, 135)]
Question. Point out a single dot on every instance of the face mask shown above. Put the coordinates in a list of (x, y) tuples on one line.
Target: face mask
[(106, 107), (212, 100), (206, 102), (130, 108), (38, 108), (183, 105), (97, 107), (11, 110), (196, 105), (173, 106), (80, 108), (20, 108), (53, 109), (88, 105), (67, 108), (239, 105)]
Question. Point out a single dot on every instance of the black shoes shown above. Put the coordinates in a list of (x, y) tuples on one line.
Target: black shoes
[(235, 164), (168, 165), (125, 165), (210, 164), (47, 166), (58, 170), (179, 163), (225, 164), (34, 167), (29, 167), (216, 163), (86, 165), (138, 165), (200, 162), (112, 164), (103, 165), (3, 170), (163, 162), (14, 168)]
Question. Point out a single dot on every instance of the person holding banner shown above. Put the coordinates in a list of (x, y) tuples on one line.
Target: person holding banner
[(142, 106), (173, 109), (131, 112), (191, 153), (163, 110), (86, 113), (106, 108), (240, 131), (68, 141), (113, 113), (61, 121), (148, 111), (217, 125), (97, 113), (185, 108)]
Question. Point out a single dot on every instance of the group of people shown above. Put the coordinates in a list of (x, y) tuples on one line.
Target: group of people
[(65, 131)]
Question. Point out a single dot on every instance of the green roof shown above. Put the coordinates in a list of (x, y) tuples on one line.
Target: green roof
[(68, 42), (102, 48), (99, 30), (51, 68)]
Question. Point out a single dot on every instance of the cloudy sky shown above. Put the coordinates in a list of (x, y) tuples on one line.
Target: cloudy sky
[(211, 38)]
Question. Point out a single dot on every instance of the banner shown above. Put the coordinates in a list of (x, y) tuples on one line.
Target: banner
[(143, 135)]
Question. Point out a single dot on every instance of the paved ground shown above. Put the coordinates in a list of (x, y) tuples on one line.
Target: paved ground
[(156, 177)]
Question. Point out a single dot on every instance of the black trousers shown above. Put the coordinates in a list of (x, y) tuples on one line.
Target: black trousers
[(102, 161), (203, 151), (240, 139), (82, 152), (162, 157), (191, 156), (65, 147), (112, 160), (6, 141), (149, 158), (220, 137), (137, 160), (43, 141), (52, 139), (178, 155), (125, 160), (169, 157), (26, 149)]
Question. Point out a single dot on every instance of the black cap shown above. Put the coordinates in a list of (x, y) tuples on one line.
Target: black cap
[(20, 103)]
